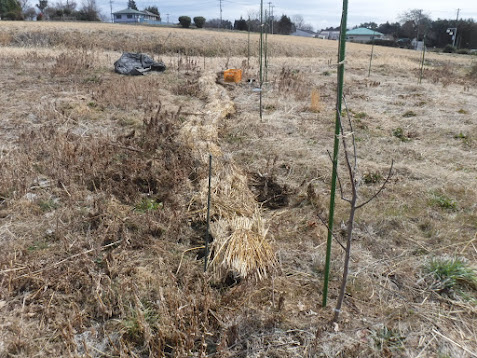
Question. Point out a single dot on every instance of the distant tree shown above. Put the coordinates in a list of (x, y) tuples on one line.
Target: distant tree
[(240, 25), (29, 13), (10, 10), (369, 25), (216, 23), (61, 11), (132, 5), (390, 29), (42, 5), (199, 21), (307, 27), (299, 21), (408, 29), (185, 21), (89, 11), (153, 9), (418, 20), (285, 25)]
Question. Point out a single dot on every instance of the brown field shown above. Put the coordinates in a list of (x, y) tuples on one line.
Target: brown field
[(103, 195)]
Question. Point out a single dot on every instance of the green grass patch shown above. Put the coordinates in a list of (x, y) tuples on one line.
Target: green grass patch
[(388, 339), (442, 201), (399, 133), (372, 178), (360, 115), (148, 204), (451, 274), (48, 205), (460, 136), (408, 114)]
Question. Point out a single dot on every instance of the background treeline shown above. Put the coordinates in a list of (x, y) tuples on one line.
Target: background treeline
[(412, 24), (433, 30)]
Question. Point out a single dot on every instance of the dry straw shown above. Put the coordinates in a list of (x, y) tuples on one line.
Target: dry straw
[(315, 100), (240, 246)]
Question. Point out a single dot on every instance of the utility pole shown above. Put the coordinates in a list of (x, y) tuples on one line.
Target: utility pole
[(418, 28), (273, 18), (167, 18), (220, 2), (456, 22), (110, 5), (269, 7)]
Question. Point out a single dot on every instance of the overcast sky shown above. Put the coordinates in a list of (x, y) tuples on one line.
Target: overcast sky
[(319, 14)]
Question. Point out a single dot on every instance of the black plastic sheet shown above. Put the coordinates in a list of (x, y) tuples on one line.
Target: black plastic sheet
[(135, 64)]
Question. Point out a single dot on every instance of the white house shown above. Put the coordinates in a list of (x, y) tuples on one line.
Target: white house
[(329, 35), (130, 16)]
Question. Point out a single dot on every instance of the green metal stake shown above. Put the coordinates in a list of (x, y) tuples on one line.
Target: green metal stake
[(207, 233), (339, 99), (248, 51), (266, 56), (371, 58), (421, 72)]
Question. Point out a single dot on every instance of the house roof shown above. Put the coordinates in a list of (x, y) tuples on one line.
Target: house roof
[(128, 11), (150, 13), (363, 32)]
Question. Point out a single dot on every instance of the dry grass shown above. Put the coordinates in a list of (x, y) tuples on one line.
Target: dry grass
[(103, 187)]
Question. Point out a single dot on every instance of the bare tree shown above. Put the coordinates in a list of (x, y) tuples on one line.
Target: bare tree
[(299, 21), (418, 19), (351, 163)]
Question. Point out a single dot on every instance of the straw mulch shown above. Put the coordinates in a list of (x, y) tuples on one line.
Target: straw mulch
[(240, 246)]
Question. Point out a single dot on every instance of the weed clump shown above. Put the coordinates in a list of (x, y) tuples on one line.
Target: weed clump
[(442, 201), (399, 133), (360, 115), (451, 274), (473, 72), (387, 339), (409, 114), (372, 178)]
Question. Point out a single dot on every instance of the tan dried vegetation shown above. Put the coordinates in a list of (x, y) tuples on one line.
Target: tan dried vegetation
[(103, 189)]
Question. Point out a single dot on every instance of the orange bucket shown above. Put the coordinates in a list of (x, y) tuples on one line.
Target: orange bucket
[(233, 75)]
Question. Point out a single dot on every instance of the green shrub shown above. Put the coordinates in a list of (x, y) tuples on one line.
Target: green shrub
[(449, 49), (199, 21), (185, 21), (463, 51)]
